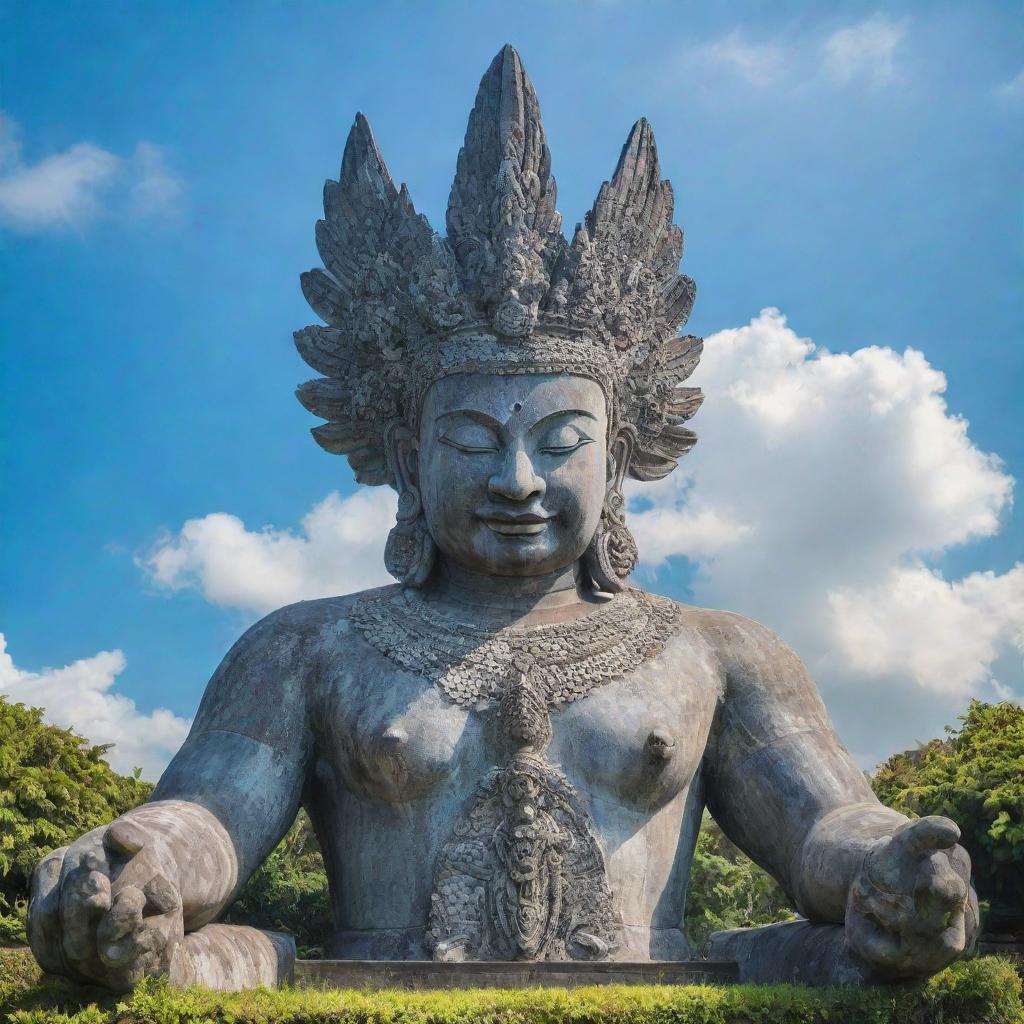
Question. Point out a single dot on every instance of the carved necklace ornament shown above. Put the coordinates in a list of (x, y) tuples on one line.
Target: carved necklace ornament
[(474, 665), (522, 876)]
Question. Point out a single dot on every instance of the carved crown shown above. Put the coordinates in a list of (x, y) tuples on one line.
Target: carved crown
[(504, 292)]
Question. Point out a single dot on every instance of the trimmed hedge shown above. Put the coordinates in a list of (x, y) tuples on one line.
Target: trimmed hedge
[(981, 990)]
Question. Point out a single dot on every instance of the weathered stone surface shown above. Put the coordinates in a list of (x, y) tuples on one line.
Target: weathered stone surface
[(508, 756)]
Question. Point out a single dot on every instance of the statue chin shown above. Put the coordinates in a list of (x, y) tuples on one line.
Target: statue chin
[(499, 764)]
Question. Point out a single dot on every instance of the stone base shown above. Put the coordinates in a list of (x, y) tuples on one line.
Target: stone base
[(795, 952), (424, 974)]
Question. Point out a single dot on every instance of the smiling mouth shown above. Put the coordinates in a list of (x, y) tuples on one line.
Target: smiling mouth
[(517, 526)]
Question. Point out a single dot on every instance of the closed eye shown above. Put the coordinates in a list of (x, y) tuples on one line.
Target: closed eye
[(471, 449), (564, 440), (472, 438), (565, 449)]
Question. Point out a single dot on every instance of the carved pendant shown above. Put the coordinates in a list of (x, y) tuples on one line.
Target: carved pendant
[(523, 876)]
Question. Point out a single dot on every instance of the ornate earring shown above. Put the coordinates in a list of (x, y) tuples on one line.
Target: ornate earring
[(612, 554), (409, 553)]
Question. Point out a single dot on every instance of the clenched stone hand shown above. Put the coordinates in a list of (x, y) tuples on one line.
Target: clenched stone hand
[(105, 909), (911, 909)]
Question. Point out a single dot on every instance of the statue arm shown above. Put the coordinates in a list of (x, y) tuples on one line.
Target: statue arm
[(780, 783), (114, 905), (787, 792), (233, 789)]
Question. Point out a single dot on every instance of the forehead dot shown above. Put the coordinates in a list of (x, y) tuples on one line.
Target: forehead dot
[(517, 407)]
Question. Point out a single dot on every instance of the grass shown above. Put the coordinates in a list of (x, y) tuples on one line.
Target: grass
[(984, 990)]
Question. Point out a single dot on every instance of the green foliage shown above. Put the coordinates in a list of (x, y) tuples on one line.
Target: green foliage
[(727, 889), (987, 988), (54, 786), (975, 777), (975, 990), (289, 892)]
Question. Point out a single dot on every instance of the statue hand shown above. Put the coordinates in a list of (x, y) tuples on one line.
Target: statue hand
[(104, 909), (911, 909)]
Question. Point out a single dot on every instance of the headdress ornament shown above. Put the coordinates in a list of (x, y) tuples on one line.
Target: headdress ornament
[(504, 292)]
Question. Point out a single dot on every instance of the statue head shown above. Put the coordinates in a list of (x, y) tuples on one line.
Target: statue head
[(503, 380)]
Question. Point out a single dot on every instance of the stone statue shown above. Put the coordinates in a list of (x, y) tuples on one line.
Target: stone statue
[(507, 754)]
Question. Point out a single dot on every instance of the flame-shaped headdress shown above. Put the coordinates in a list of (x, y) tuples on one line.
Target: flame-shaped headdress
[(504, 292)]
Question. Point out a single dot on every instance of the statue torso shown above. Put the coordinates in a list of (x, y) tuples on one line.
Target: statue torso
[(408, 769)]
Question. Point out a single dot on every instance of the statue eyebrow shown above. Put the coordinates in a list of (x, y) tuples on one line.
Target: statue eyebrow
[(564, 412), (474, 414), (488, 421)]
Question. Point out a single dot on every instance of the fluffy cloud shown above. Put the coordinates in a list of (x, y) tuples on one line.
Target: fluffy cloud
[(759, 64), (1012, 89), (338, 549), (73, 187), (823, 487), (79, 696), (866, 51), (944, 636)]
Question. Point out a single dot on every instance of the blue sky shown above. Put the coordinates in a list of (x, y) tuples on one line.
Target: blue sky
[(854, 166)]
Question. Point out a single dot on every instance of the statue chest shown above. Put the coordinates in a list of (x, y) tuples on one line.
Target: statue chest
[(394, 737), (524, 786)]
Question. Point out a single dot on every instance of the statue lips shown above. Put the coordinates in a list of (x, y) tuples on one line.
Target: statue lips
[(527, 524)]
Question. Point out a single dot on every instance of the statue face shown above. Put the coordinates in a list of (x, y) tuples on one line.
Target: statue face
[(513, 469)]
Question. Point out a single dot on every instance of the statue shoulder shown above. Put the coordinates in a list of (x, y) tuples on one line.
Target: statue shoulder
[(747, 652), (306, 630)]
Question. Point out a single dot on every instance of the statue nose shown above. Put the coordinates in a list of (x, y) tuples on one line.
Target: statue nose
[(517, 480)]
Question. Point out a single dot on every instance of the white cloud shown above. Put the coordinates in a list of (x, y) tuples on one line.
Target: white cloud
[(822, 486), (75, 186), (80, 697), (865, 51), (760, 64), (155, 189), (1012, 89), (944, 636), (338, 550)]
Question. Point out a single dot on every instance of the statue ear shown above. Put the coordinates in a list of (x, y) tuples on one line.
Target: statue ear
[(620, 454), (409, 553), (612, 553), (401, 447)]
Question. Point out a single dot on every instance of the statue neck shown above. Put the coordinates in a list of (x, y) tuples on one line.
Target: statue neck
[(522, 600)]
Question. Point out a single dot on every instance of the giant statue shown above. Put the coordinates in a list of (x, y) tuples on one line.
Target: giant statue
[(506, 754)]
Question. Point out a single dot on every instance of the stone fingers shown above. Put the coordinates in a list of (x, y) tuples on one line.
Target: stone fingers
[(929, 833), (940, 895), (137, 934), (84, 898), (44, 927), (116, 935), (124, 838), (876, 944)]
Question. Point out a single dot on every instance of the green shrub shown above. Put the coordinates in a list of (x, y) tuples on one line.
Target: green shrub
[(975, 777), (984, 990), (727, 889), (288, 892)]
